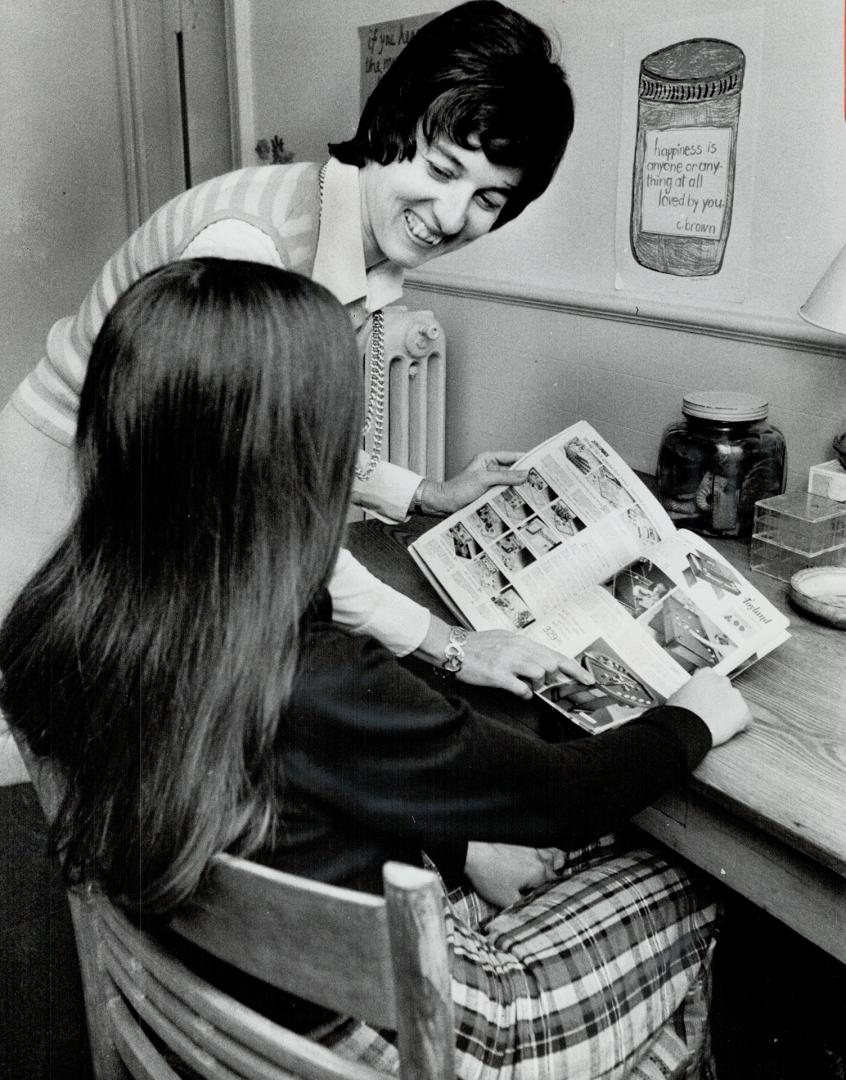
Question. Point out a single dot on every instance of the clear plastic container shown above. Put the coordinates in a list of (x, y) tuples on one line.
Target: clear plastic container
[(717, 462), (797, 531)]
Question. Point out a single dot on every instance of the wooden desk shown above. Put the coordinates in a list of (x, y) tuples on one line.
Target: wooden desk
[(766, 813)]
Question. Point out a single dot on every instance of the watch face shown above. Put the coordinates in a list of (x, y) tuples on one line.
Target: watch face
[(617, 681)]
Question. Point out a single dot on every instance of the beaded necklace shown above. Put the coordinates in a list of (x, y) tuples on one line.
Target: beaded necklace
[(374, 417)]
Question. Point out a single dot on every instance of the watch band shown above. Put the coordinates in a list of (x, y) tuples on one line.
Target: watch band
[(416, 504), (454, 651)]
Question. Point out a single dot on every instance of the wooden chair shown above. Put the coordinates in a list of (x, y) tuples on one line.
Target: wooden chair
[(382, 960)]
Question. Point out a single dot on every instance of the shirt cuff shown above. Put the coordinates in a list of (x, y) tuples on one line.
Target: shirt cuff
[(365, 605), (389, 490)]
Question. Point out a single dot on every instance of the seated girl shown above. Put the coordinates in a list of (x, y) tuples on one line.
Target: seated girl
[(176, 659)]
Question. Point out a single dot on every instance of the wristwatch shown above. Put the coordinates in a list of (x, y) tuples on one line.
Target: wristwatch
[(453, 652), (416, 504)]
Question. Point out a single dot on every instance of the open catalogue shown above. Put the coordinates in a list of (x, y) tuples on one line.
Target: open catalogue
[(583, 557)]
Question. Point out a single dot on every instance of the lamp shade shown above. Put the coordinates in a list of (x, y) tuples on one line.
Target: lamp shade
[(826, 306)]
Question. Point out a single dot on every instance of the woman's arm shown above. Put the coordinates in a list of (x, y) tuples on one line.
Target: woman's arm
[(499, 658), (379, 746), (503, 659), (486, 470)]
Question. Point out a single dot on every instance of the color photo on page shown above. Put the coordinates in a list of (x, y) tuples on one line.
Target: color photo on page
[(618, 694)]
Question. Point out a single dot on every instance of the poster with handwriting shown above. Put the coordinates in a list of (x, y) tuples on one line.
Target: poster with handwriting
[(381, 43), (688, 157)]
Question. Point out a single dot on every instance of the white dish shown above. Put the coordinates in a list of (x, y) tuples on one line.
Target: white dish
[(821, 591)]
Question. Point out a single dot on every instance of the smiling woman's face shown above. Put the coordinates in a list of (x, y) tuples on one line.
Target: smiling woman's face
[(437, 202)]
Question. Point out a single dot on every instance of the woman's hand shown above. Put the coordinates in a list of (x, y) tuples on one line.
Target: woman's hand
[(504, 659), (484, 471), (516, 663), (503, 873), (713, 698)]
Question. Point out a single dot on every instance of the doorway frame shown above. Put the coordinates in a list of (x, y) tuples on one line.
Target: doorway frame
[(128, 48)]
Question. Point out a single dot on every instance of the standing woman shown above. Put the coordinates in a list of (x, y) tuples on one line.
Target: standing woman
[(176, 661), (466, 128)]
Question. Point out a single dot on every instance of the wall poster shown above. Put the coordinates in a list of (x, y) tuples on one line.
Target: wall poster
[(381, 43), (687, 156)]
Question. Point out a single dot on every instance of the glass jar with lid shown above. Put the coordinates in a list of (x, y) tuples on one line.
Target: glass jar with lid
[(717, 462)]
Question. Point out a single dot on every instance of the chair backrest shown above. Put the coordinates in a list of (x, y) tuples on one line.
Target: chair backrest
[(382, 960)]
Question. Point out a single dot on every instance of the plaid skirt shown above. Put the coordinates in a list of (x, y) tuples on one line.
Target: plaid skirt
[(600, 975)]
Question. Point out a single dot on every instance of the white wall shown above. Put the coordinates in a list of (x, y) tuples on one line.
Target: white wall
[(518, 374), (305, 67), (799, 214), (537, 335), (61, 169), (70, 189)]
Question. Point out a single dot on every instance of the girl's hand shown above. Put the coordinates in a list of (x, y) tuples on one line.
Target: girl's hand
[(713, 698), (503, 873)]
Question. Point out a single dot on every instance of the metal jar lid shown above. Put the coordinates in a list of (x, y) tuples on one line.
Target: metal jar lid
[(725, 406), (689, 71)]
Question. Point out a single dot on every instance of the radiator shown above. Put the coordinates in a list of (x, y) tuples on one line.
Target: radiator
[(415, 392)]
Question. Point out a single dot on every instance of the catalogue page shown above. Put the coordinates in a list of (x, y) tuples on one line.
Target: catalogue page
[(583, 557)]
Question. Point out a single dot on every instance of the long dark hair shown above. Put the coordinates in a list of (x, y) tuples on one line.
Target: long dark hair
[(479, 71), (152, 657)]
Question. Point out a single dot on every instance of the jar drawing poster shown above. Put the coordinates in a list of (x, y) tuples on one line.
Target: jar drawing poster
[(688, 117)]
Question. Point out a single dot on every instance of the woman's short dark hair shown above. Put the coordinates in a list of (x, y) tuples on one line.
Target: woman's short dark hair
[(478, 72), (152, 656)]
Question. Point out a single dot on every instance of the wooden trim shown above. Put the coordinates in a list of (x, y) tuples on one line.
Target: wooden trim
[(131, 112), (773, 331), (239, 63), (804, 895)]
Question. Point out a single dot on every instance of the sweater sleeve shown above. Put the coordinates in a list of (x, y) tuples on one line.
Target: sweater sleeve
[(370, 741), (231, 238)]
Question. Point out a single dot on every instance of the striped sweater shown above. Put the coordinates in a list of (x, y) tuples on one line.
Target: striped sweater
[(281, 200)]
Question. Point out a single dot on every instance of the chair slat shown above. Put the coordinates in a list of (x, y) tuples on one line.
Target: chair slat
[(419, 950), (297, 936), (134, 992), (235, 1034), (207, 1050), (265, 922), (141, 1057), (106, 1062)]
